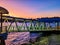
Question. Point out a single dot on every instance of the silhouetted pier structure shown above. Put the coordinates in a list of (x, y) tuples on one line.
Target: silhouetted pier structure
[(3, 36), (15, 24), (39, 24)]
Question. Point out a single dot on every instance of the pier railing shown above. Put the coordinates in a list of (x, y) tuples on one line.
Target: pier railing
[(32, 29), (4, 29), (27, 29)]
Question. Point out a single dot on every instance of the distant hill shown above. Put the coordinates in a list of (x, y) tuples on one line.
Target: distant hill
[(44, 19)]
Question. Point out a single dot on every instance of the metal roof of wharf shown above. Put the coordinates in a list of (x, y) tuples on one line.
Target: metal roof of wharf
[(45, 19), (13, 19)]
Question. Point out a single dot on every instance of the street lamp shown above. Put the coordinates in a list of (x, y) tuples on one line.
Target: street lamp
[(2, 11)]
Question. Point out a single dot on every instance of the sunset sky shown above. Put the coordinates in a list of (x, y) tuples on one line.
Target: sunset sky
[(32, 8)]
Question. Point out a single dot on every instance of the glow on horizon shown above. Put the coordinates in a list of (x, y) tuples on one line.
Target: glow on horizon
[(32, 9)]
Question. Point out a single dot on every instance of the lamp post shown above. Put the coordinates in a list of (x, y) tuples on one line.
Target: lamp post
[(1, 22), (2, 11)]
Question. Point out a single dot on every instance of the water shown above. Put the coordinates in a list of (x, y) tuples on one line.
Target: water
[(15, 38), (18, 38)]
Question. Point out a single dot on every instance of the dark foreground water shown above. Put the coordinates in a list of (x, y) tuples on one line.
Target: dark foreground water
[(19, 38)]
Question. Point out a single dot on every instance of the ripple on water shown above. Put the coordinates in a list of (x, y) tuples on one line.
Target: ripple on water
[(17, 37)]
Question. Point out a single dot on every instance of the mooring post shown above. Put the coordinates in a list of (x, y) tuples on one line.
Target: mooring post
[(2, 41), (2, 35), (1, 22)]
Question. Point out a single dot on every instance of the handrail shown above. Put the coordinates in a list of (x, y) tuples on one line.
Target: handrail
[(4, 29)]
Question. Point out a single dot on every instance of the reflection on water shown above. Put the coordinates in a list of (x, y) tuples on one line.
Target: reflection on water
[(53, 39), (18, 38)]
